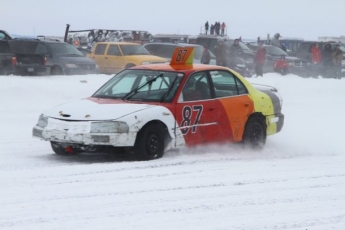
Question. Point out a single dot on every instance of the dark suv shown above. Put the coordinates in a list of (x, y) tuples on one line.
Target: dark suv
[(61, 57), (211, 41)]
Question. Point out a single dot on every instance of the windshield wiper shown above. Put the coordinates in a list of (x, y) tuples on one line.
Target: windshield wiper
[(134, 91)]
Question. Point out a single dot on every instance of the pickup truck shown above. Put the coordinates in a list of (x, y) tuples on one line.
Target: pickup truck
[(113, 57), (18, 63)]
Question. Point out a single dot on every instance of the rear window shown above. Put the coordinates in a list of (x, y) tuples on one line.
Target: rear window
[(23, 47), (4, 47)]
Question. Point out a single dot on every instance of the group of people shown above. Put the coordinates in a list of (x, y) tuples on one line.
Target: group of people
[(328, 58), (216, 28)]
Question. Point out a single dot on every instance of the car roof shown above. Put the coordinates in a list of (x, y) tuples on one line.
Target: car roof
[(183, 68), (35, 40), (120, 43), (172, 44)]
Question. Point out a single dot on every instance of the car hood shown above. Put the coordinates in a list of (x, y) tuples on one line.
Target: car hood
[(91, 109), (148, 58), (287, 58)]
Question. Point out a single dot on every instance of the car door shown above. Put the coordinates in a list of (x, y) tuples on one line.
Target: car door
[(99, 57), (114, 60), (197, 111), (236, 105)]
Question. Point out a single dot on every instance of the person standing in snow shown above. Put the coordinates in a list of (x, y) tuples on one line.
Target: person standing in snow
[(206, 56), (221, 53), (259, 60), (337, 58), (275, 40)]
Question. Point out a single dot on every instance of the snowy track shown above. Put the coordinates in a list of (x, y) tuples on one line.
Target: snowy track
[(296, 182)]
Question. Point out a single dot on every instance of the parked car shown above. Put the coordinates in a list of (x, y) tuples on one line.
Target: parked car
[(4, 35), (112, 57), (166, 50), (147, 109), (12, 62), (61, 58), (296, 65)]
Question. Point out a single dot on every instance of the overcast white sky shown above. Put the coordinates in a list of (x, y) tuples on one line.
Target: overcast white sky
[(247, 18)]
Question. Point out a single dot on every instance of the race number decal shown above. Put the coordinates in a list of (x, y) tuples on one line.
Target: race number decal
[(183, 56), (187, 122)]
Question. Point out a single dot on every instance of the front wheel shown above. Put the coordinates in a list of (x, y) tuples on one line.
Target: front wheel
[(254, 135), (150, 143)]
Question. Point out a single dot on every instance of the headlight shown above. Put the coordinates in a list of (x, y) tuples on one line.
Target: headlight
[(145, 63), (69, 65), (42, 121), (109, 127)]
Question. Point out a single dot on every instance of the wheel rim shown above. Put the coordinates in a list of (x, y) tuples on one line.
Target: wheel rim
[(152, 144)]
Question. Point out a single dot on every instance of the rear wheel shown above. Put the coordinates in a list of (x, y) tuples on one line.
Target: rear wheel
[(254, 135), (56, 71), (63, 150), (150, 142)]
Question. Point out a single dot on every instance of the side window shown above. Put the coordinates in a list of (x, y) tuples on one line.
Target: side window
[(41, 49), (114, 50), (196, 88), (226, 84), (100, 48)]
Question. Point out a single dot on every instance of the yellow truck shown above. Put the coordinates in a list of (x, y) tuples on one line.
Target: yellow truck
[(112, 57)]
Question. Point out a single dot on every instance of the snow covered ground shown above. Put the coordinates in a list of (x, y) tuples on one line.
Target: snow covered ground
[(296, 182)]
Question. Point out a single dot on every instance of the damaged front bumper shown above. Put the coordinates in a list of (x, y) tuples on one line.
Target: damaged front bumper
[(109, 133)]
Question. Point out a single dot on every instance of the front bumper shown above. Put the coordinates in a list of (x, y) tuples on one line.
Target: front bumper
[(79, 135)]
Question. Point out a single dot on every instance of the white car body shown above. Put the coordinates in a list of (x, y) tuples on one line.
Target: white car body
[(72, 122)]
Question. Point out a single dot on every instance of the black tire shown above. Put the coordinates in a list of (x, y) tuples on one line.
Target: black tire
[(60, 150), (254, 135), (150, 143), (56, 70)]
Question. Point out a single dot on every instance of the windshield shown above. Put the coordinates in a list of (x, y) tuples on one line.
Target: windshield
[(275, 51), (141, 85), (65, 49), (229, 43), (133, 50)]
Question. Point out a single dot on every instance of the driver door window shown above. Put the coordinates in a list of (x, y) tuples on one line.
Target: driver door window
[(196, 88)]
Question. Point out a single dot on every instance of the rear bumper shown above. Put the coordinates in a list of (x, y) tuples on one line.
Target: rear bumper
[(32, 70), (79, 71)]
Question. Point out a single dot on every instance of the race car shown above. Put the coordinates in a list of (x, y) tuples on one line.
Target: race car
[(145, 110)]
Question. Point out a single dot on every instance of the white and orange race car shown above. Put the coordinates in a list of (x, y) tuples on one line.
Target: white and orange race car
[(146, 110)]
